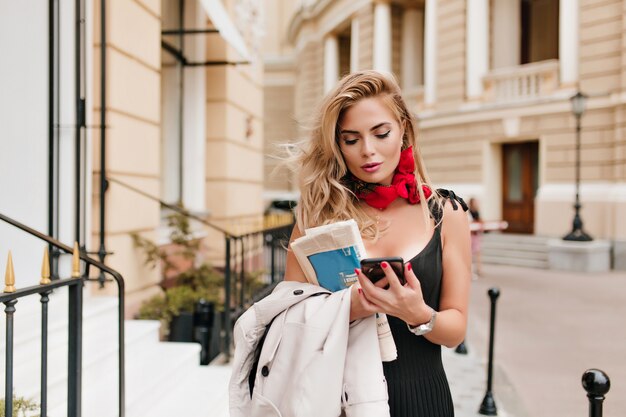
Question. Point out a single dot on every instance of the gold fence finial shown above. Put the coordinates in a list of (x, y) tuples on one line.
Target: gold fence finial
[(76, 261), (45, 268), (9, 278)]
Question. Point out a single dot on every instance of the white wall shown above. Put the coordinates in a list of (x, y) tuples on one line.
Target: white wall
[(24, 135)]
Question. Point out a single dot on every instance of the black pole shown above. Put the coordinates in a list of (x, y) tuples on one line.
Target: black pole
[(181, 95), (488, 406), (8, 373), (74, 350), (53, 147), (272, 257), (44, 353), (227, 291), (597, 384), (102, 253), (577, 233), (242, 274), (51, 119), (80, 120)]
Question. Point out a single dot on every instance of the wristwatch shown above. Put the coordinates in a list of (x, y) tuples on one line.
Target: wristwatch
[(423, 328)]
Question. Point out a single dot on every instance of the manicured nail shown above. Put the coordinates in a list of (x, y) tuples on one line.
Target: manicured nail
[(384, 264), (360, 291), (409, 267), (357, 271)]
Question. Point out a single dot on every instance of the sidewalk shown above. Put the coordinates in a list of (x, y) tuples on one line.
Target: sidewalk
[(467, 376)]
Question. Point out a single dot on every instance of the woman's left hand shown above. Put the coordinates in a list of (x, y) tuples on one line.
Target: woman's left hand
[(403, 301)]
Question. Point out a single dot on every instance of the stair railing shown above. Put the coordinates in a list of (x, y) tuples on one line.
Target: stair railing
[(266, 245), (75, 285)]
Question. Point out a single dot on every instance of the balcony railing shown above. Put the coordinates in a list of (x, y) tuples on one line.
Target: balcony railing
[(522, 83)]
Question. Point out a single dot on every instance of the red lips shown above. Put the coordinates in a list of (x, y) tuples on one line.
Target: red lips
[(371, 165)]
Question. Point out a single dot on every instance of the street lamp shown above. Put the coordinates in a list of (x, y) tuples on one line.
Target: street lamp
[(577, 234)]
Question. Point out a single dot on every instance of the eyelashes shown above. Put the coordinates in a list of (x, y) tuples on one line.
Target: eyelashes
[(353, 141)]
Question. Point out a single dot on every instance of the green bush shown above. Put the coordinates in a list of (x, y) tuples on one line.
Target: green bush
[(200, 281), (21, 406)]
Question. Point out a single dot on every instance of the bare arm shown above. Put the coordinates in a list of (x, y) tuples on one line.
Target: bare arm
[(451, 322), (293, 271)]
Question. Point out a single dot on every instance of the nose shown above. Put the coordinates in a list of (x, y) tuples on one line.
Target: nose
[(367, 147)]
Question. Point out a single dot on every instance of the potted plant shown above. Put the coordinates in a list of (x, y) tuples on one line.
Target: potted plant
[(187, 281)]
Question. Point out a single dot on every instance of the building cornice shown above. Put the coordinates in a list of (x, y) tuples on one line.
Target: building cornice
[(340, 10), (488, 112)]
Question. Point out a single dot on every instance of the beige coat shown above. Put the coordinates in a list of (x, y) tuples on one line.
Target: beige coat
[(313, 361)]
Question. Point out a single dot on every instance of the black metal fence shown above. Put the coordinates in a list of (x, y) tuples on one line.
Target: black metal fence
[(81, 264), (263, 252)]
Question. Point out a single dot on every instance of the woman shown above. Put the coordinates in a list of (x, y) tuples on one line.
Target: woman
[(362, 163)]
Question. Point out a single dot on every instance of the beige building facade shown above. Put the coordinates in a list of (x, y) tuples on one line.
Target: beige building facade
[(183, 123), (490, 82), (184, 132)]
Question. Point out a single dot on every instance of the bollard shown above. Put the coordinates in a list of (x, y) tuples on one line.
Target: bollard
[(596, 383), (488, 406), (202, 326), (461, 349)]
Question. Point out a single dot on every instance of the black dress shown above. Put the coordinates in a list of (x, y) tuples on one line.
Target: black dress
[(416, 381)]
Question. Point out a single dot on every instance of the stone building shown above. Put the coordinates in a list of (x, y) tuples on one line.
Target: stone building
[(490, 82)]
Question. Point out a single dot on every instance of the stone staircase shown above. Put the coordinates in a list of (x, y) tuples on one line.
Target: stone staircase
[(516, 250), (162, 378)]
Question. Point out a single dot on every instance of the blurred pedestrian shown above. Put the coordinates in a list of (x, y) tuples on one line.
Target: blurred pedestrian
[(476, 227)]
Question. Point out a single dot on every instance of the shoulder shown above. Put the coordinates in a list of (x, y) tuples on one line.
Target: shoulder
[(450, 200), (454, 219)]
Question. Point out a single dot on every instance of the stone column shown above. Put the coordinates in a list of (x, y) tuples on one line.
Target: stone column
[(568, 41), (331, 62), (382, 37), (354, 45), (412, 48), (430, 53), (477, 47), (506, 33)]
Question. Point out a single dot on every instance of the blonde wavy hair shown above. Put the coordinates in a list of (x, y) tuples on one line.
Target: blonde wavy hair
[(323, 197)]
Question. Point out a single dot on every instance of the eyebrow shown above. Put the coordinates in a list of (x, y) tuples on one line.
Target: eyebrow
[(373, 128)]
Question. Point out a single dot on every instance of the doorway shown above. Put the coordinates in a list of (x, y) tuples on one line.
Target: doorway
[(520, 167)]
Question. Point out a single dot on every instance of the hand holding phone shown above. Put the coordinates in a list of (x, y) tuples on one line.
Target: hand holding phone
[(372, 269)]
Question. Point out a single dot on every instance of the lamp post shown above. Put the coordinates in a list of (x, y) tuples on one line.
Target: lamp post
[(577, 234)]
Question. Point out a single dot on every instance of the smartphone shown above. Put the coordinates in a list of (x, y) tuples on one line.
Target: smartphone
[(372, 269)]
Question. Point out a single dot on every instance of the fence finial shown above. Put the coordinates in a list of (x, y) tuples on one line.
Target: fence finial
[(76, 261), (9, 278), (45, 268)]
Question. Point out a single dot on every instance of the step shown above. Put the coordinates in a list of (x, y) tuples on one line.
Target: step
[(511, 253), (98, 345), (205, 391), (518, 246), (527, 263), (515, 238), (27, 318), (152, 371), (99, 322), (139, 335)]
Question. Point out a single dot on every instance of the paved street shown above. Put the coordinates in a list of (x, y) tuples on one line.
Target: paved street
[(551, 327)]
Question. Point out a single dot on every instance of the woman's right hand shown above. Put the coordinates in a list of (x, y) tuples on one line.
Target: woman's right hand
[(359, 306)]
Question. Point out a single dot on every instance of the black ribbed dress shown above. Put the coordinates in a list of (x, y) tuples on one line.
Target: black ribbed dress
[(416, 381)]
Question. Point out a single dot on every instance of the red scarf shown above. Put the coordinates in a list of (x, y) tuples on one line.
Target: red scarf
[(402, 185)]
